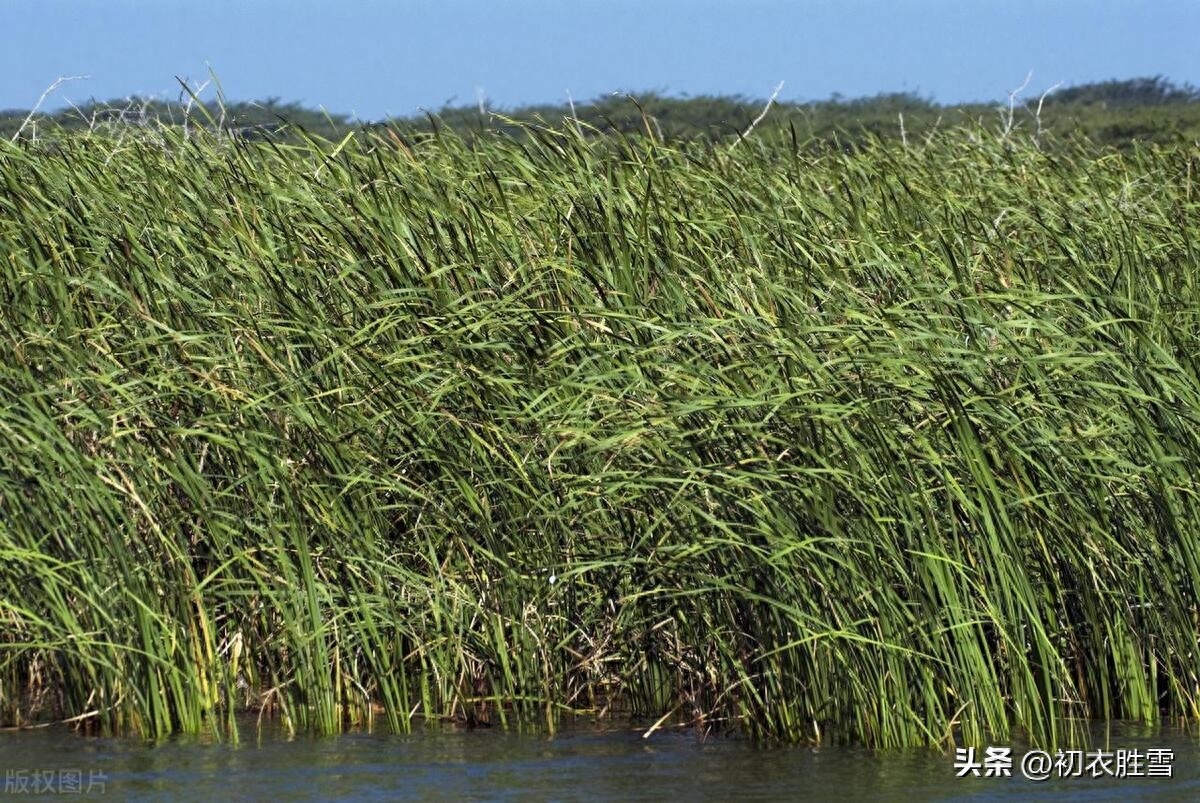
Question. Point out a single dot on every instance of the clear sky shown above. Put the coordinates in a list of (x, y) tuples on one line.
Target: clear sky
[(373, 58)]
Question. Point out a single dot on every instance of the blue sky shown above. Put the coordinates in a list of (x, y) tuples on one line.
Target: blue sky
[(373, 58)]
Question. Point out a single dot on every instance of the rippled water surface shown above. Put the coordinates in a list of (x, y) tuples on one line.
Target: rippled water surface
[(450, 764)]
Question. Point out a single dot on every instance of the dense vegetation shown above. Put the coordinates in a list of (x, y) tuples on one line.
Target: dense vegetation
[(893, 444), (1110, 112)]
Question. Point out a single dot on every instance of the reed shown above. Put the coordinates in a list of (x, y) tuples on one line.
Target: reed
[(893, 446)]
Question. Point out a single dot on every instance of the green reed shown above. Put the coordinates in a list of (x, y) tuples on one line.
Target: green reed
[(894, 446)]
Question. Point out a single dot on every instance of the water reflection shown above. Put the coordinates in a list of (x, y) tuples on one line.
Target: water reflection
[(443, 763)]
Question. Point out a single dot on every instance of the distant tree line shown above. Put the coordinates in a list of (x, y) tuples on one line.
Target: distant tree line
[(1115, 112)]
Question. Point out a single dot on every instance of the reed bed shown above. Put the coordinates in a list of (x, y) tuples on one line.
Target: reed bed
[(894, 446)]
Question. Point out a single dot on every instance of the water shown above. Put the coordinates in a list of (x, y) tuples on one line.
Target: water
[(452, 764)]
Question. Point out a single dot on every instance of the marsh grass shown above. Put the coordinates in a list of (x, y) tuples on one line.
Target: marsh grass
[(893, 446)]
